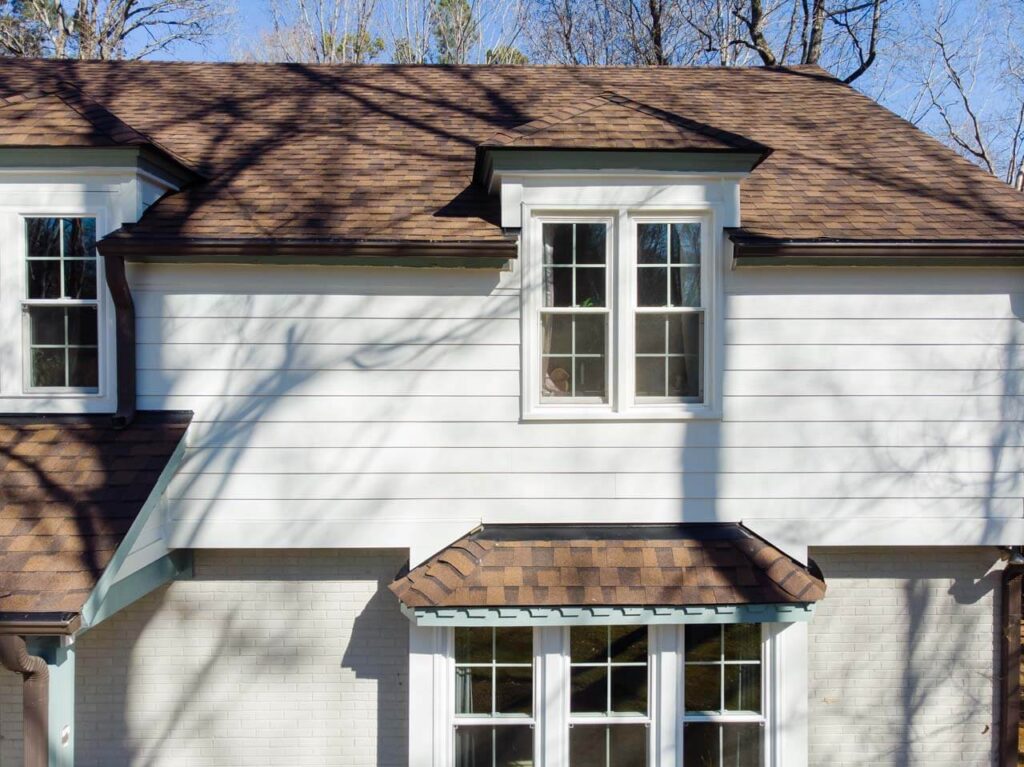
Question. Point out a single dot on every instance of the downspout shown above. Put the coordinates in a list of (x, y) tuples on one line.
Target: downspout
[(35, 690), (124, 318), (1009, 660)]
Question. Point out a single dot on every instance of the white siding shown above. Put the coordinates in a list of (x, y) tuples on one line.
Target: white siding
[(265, 658), (335, 396), (902, 652)]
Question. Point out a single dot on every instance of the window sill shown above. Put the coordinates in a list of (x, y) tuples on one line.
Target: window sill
[(672, 412)]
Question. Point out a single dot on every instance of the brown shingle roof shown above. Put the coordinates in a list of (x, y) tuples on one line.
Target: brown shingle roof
[(611, 121), (69, 491), (636, 565), (386, 153)]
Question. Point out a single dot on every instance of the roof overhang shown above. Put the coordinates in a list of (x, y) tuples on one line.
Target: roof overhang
[(492, 163), (758, 251), (40, 624), (148, 159), (489, 254)]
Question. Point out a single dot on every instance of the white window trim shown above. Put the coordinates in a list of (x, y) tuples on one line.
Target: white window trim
[(15, 289), (665, 713), (622, 222)]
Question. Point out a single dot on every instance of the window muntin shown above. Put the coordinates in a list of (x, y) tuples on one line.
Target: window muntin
[(669, 316), (493, 697), (608, 696), (61, 304), (574, 314), (723, 719)]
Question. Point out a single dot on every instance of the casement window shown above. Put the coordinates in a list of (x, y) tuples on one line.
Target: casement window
[(61, 305), (618, 316), (598, 707)]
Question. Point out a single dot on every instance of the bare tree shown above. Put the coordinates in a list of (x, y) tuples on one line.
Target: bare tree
[(105, 29), (575, 32), (320, 32), (973, 85)]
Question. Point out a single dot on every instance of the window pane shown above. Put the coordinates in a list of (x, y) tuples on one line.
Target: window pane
[(703, 688), (650, 377), (629, 689), (650, 333), (703, 643), (79, 279), (508, 746), (81, 325), (590, 333), (590, 287), (684, 333), (742, 641), (616, 745), (473, 645), (513, 645), (46, 325), (743, 687), (742, 745), (683, 377), (47, 367), (627, 745), (558, 286), (79, 238), (686, 243), (43, 237), (700, 745), (628, 644), (685, 286), (588, 692), (590, 377), (556, 331), (556, 380), (591, 243), (83, 368), (473, 690), (513, 691), (588, 644), (652, 244), (44, 279), (651, 287), (558, 243)]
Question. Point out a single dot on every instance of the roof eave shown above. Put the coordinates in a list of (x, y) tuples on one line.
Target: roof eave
[(758, 251), (488, 254)]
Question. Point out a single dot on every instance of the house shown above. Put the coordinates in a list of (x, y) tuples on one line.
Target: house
[(501, 416)]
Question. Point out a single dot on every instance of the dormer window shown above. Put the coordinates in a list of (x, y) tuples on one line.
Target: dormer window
[(619, 310), (61, 305)]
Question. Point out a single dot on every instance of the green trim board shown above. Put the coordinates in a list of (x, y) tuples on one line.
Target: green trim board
[(608, 616), (59, 655), (111, 592)]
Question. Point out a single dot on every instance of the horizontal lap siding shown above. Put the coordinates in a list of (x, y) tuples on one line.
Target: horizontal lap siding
[(396, 393)]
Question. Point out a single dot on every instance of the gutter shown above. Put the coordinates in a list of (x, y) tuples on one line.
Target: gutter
[(761, 251), (485, 254), (39, 624), (35, 691), (124, 320)]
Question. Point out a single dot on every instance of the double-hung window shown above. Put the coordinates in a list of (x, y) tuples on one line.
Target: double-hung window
[(597, 704), (61, 305), (619, 313)]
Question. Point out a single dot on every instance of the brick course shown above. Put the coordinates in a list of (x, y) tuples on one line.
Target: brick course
[(902, 658)]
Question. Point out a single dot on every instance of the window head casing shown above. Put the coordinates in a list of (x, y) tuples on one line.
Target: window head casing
[(630, 330)]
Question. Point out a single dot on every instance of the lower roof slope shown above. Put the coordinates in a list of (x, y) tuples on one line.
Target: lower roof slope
[(70, 488), (386, 153)]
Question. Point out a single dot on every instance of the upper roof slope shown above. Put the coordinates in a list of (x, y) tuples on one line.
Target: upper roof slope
[(69, 492), (387, 152)]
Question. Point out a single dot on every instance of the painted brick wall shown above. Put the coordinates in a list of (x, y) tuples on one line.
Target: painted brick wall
[(903, 657), (10, 719), (265, 658)]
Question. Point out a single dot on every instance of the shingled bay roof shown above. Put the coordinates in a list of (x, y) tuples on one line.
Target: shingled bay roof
[(386, 153), (69, 491), (619, 565)]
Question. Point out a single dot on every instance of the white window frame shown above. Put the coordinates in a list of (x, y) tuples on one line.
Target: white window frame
[(622, 222), (665, 706), (27, 303)]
